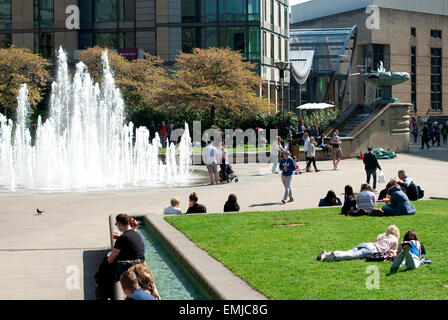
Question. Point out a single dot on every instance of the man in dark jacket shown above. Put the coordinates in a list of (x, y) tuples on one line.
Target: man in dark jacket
[(399, 204), (371, 164), (408, 185)]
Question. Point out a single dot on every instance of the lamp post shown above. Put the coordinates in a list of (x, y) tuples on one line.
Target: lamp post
[(282, 67)]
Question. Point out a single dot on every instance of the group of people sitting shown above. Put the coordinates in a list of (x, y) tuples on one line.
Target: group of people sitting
[(407, 253), (126, 263), (364, 202), (231, 205)]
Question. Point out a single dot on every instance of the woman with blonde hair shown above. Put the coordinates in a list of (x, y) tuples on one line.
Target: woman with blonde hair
[(145, 278), (386, 243)]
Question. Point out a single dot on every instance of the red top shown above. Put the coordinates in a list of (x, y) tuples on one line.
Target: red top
[(163, 132)]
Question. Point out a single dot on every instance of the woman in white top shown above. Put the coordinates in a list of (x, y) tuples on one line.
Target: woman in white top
[(387, 243), (311, 155)]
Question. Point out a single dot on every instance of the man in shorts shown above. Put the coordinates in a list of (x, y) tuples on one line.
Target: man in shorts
[(209, 157), (336, 147)]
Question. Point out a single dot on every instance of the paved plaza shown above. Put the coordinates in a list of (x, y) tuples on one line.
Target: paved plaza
[(40, 255)]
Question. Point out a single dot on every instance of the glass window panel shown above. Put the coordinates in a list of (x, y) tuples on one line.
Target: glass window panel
[(5, 14), (44, 44), (210, 10), (254, 43), (44, 13), (105, 11), (211, 37), (106, 40), (188, 10), (236, 38), (279, 13), (5, 40), (272, 12), (85, 40), (253, 7), (188, 39), (235, 10)]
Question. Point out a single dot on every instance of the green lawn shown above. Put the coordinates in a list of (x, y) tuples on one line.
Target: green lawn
[(280, 261)]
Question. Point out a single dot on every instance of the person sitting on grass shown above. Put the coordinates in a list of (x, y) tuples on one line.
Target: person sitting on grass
[(384, 193), (145, 278), (330, 200), (131, 289), (385, 243), (231, 204), (409, 252), (398, 203), (194, 206), (349, 201), (365, 200), (174, 207)]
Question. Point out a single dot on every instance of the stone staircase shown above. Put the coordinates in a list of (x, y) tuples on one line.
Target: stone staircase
[(353, 123)]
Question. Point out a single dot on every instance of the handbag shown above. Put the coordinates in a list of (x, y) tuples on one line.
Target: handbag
[(377, 256), (381, 177)]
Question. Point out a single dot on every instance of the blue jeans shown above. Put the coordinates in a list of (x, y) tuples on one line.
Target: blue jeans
[(287, 184), (359, 252), (274, 161), (371, 173)]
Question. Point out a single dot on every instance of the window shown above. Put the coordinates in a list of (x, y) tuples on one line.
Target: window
[(279, 15), (265, 44), (279, 49), (414, 77), (272, 49), (436, 34), (286, 50), (413, 32), (253, 7), (105, 10), (286, 22), (105, 40), (236, 38), (5, 14), (211, 10), (272, 12), (436, 78), (188, 11), (254, 43), (211, 37), (235, 10), (43, 11), (44, 44), (5, 40), (189, 39)]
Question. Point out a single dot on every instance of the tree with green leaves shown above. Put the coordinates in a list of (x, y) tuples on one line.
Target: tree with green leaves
[(215, 81), (18, 66)]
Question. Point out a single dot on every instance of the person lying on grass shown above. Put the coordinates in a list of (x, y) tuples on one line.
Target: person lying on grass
[(409, 252), (385, 243)]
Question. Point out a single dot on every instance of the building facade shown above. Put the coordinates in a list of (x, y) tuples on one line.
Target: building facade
[(408, 36), (259, 29)]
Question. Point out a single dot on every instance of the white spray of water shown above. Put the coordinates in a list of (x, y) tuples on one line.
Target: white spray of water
[(85, 143)]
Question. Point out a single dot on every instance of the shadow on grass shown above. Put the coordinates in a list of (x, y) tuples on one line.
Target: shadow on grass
[(265, 204)]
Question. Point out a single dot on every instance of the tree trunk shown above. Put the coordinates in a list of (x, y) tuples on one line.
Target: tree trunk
[(212, 115)]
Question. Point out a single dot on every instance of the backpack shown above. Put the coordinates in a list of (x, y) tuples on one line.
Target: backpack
[(374, 257), (421, 192)]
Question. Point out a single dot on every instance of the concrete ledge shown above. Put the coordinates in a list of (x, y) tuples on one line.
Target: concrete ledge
[(218, 281)]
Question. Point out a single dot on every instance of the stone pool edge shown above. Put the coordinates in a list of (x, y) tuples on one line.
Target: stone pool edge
[(216, 279)]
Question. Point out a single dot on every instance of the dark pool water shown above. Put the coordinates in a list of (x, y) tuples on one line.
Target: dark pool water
[(173, 282)]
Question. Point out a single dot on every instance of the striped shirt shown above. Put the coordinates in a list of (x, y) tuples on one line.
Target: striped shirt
[(366, 200)]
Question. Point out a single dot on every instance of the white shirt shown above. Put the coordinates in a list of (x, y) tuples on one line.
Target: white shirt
[(311, 151), (209, 154), (305, 144), (172, 210)]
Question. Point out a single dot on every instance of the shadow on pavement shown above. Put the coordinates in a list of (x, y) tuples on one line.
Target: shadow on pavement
[(434, 153), (265, 204), (91, 261)]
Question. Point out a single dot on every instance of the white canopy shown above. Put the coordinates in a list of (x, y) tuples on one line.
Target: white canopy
[(301, 63), (315, 106)]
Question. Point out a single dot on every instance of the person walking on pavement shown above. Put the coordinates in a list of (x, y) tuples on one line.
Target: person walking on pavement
[(210, 159), (287, 166), (311, 155), (371, 164), (425, 136)]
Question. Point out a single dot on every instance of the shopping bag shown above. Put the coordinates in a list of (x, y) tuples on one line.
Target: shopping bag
[(381, 178)]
